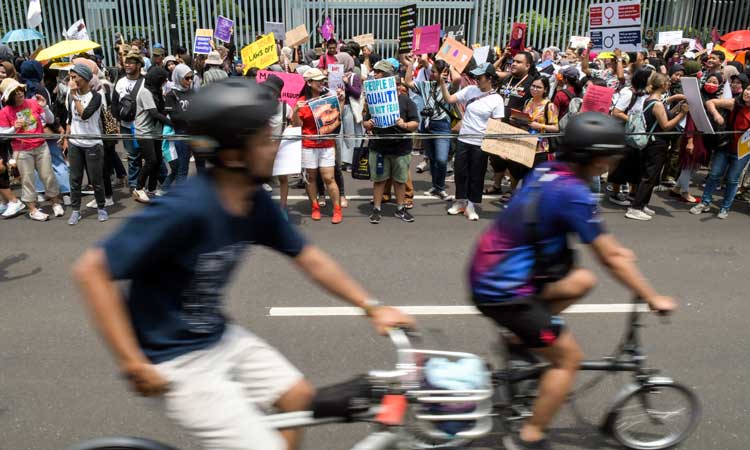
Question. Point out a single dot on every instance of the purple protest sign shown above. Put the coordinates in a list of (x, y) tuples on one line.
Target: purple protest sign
[(224, 29), (327, 29), (426, 39)]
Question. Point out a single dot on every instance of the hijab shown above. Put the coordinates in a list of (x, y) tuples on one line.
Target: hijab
[(155, 78), (178, 74), (345, 59), (32, 73)]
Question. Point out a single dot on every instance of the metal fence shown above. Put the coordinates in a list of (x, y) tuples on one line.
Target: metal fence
[(551, 22)]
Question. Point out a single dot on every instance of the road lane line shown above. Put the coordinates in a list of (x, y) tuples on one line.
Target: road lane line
[(460, 310), (368, 197)]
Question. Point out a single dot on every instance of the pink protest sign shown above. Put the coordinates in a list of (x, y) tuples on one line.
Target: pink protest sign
[(426, 39), (597, 98), (293, 84), (326, 30)]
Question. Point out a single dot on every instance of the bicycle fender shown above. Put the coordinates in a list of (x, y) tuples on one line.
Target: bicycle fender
[(132, 443), (623, 395)]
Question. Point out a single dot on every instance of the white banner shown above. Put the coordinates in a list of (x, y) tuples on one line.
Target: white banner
[(289, 158), (692, 91)]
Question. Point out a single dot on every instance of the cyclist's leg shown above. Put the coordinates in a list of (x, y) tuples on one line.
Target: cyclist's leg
[(298, 398), (563, 293)]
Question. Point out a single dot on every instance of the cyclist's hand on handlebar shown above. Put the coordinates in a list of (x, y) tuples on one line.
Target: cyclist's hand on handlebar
[(662, 304), (145, 379), (384, 317)]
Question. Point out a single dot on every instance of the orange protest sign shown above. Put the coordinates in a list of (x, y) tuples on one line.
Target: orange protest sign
[(455, 54)]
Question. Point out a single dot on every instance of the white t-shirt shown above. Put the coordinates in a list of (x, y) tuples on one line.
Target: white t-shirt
[(78, 126), (482, 106), (624, 97), (123, 87)]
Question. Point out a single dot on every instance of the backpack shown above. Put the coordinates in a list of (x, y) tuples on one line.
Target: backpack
[(637, 124), (126, 107), (574, 107)]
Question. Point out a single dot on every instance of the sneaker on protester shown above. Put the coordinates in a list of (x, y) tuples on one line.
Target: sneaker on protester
[(422, 166), (432, 192), (140, 196), (3, 207), (107, 202), (470, 212), (267, 187), (442, 195), (66, 200), (700, 208), (637, 214), (101, 215), (58, 210), (13, 209), (458, 207), (404, 214), (376, 215), (38, 215), (723, 213), (75, 217), (160, 193), (649, 211), (619, 198)]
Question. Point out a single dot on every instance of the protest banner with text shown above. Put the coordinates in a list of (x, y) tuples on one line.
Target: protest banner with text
[(293, 85), (382, 101), (521, 150), (326, 113), (260, 54), (455, 53), (203, 43), (616, 25), (224, 29), (426, 39), (407, 21)]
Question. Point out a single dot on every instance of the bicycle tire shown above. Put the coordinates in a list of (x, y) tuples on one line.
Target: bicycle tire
[(122, 443), (643, 399)]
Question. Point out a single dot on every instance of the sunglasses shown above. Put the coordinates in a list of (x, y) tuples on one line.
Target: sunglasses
[(187, 77)]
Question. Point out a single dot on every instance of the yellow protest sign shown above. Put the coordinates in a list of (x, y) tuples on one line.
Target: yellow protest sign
[(521, 150), (260, 54), (743, 145)]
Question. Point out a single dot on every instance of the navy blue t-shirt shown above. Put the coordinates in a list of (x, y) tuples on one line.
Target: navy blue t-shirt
[(179, 254)]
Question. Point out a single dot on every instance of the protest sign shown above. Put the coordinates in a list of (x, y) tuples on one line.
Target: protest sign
[(326, 113), (517, 38), (579, 41), (260, 54), (382, 101), (597, 98), (224, 29), (521, 150), (692, 91), (743, 145), (335, 76), (202, 44), (668, 38), (407, 20), (616, 25), (277, 28), (455, 54), (297, 36), (289, 157), (426, 39), (456, 32), (293, 85), (326, 30), (364, 39), (481, 54)]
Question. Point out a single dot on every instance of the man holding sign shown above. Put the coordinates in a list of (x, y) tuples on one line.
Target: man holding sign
[(389, 113)]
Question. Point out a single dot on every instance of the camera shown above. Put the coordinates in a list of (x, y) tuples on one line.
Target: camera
[(427, 112)]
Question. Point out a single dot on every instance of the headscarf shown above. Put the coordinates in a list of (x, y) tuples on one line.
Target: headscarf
[(10, 70), (178, 74), (345, 59), (155, 78), (32, 73)]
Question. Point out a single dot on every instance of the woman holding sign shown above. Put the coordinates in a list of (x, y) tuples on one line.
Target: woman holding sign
[(318, 155)]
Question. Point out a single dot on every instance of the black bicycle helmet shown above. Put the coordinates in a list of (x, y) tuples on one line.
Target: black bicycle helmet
[(229, 110), (592, 134)]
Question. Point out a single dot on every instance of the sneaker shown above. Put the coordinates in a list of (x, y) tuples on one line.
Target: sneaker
[(637, 214), (75, 217), (649, 211), (140, 196), (13, 209), (431, 192), (160, 193), (619, 199), (421, 167), (66, 200), (514, 442), (375, 215), (322, 200), (470, 212), (315, 215), (700, 208), (102, 216), (338, 216), (404, 214), (58, 210), (458, 207), (40, 198), (107, 202), (267, 187), (723, 213), (669, 182), (442, 195), (38, 215)]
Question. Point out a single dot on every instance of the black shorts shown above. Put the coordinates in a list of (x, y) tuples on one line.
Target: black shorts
[(5, 156), (529, 318)]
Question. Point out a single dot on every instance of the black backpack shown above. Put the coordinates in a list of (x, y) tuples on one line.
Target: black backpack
[(126, 107)]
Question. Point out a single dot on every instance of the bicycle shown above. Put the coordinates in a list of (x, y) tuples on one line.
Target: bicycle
[(515, 387)]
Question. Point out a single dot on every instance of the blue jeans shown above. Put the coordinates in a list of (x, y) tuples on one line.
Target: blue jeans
[(134, 158), (437, 151), (724, 162)]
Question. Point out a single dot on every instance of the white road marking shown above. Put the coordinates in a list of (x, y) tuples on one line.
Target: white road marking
[(368, 197), (459, 310)]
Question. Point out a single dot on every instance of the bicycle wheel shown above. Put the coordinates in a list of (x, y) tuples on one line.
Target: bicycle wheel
[(121, 443), (657, 415)]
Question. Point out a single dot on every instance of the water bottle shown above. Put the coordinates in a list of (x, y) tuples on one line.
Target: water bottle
[(379, 164)]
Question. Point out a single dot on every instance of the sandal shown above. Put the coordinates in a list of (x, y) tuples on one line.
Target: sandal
[(493, 190)]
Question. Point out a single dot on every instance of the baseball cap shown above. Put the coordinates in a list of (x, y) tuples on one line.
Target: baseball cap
[(314, 74), (158, 51), (571, 72), (484, 69), (135, 55), (383, 66)]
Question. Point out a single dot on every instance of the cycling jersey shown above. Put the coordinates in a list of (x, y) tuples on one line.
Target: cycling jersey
[(502, 267), (180, 253)]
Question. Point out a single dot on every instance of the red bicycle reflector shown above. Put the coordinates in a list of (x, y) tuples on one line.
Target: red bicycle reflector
[(393, 410)]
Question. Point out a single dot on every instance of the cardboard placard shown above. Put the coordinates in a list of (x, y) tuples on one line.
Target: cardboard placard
[(579, 41), (297, 36), (426, 39), (289, 157), (407, 21), (293, 85), (455, 54), (277, 28), (203, 44), (327, 114), (481, 54), (691, 89), (598, 99), (382, 101), (335, 77), (224, 29), (364, 39), (521, 150), (668, 38), (260, 54)]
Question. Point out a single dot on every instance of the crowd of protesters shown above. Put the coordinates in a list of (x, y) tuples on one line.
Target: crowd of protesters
[(146, 93)]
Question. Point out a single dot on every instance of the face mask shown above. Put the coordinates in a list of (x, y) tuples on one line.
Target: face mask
[(711, 88)]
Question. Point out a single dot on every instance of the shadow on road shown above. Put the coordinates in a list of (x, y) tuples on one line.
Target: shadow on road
[(9, 261)]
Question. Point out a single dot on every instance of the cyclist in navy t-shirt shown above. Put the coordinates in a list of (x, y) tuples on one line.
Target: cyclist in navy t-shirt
[(172, 338), (522, 272)]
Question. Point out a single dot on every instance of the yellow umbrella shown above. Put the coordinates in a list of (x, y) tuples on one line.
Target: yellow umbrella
[(66, 48)]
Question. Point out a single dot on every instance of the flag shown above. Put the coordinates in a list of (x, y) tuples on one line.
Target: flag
[(327, 29), (715, 35), (77, 31), (34, 14)]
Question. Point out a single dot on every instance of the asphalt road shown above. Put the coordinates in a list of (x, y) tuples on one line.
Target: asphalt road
[(58, 385)]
